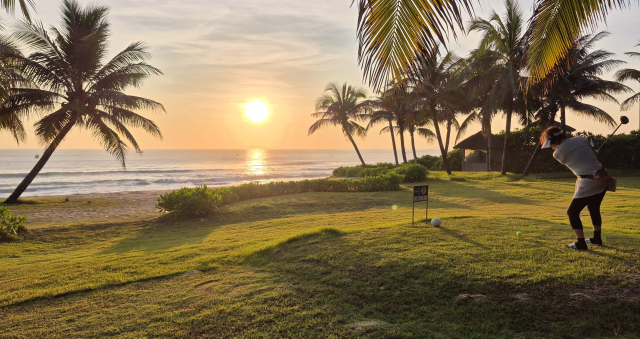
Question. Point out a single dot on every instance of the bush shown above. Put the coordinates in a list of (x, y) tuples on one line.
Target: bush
[(11, 227), (620, 152), (203, 200), (361, 172), (412, 172), (198, 201)]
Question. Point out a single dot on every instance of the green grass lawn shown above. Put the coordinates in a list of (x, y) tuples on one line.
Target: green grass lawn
[(337, 265)]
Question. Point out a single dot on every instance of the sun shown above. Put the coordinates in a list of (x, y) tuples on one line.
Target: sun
[(256, 111)]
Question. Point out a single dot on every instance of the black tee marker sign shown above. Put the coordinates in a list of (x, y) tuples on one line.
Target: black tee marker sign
[(420, 193)]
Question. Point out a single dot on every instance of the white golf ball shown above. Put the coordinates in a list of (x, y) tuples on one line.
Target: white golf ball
[(436, 222)]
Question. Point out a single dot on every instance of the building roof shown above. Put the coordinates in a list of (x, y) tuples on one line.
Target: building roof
[(479, 142)]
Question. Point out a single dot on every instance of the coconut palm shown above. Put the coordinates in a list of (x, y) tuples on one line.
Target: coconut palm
[(342, 106), (76, 88), (503, 38), (384, 109), (630, 74), (575, 79), (392, 33), (437, 87)]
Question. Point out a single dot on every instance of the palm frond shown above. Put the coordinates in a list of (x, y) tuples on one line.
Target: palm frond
[(392, 33), (10, 7), (318, 125), (627, 104), (554, 27), (108, 138), (591, 111)]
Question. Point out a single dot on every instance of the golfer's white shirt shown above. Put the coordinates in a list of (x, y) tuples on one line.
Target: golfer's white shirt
[(577, 154)]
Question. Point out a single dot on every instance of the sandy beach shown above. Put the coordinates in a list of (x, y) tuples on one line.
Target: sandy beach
[(98, 208)]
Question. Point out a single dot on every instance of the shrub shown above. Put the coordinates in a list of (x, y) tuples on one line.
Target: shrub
[(361, 172), (11, 227), (198, 201), (412, 172), (202, 200)]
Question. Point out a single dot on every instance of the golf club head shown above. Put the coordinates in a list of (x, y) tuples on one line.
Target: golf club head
[(624, 120)]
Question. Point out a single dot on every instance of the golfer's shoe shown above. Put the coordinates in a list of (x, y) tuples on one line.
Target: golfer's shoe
[(577, 246), (593, 241)]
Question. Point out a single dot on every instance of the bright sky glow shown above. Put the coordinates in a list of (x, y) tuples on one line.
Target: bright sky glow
[(256, 111), (217, 54)]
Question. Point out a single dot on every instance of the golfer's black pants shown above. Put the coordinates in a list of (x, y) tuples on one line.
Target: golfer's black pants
[(592, 203)]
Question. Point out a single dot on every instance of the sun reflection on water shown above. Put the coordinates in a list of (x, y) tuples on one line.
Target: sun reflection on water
[(257, 163)]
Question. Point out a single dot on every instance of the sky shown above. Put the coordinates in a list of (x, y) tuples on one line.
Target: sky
[(217, 56)]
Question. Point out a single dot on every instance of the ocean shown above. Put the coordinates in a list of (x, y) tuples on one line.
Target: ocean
[(95, 171)]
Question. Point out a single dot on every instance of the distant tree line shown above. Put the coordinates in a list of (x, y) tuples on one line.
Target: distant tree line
[(442, 94)]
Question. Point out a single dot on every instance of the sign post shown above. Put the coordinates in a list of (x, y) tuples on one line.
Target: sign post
[(420, 193)]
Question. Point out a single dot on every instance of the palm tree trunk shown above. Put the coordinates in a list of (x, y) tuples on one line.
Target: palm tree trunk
[(563, 117), (402, 149), (487, 132), (413, 147), (507, 133), (13, 198), (357, 150), (446, 146), (436, 126), (393, 142)]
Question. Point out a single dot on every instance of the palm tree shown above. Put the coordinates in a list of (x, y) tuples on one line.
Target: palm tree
[(575, 79), (383, 110), (392, 33), (438, 88), (630, 74), (502, 36), (342, 106), (75, 88)]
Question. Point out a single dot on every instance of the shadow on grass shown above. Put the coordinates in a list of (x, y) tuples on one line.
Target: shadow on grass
[(437, 297), (462, 190), (463, 238)]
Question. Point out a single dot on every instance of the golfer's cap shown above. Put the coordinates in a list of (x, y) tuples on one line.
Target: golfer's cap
[(547, 143)]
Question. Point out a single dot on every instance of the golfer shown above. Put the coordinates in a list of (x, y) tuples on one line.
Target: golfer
[(591, 186)]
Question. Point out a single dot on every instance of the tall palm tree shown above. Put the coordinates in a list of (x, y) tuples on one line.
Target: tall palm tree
[(630, 74), (392, 33), (77, 89), (342, 106), (503, 37), (575, 79), (438, 88), (383, 108)]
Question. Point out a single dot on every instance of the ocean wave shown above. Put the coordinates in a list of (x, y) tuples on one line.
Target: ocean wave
[(87, 173)]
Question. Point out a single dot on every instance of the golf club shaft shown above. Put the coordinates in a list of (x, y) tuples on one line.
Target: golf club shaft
[(614, 132)]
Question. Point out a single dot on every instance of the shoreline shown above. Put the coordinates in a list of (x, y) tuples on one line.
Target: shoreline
[(89, 209)]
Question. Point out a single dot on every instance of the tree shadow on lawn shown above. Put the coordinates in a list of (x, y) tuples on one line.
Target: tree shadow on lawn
[(169, 231), (434, 296), (461, 190)]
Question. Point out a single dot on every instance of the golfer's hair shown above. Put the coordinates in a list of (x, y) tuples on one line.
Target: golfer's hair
[(555, 135)]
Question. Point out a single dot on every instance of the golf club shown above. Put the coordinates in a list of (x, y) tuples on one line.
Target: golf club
[(623, 121)]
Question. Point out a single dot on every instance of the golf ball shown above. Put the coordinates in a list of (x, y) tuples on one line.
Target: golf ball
[(436, 222), (518, 234)]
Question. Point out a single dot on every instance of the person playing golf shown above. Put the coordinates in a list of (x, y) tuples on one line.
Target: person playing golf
[(592, 183)]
